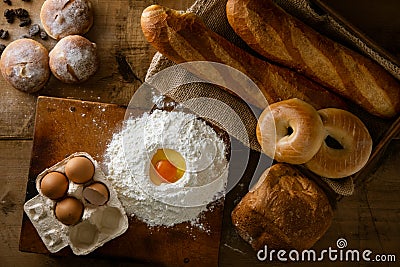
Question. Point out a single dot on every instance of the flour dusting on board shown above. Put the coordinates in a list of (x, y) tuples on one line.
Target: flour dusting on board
[(128, 161)]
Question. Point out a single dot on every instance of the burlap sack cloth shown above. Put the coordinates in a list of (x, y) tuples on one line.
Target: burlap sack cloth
[(214, 16)]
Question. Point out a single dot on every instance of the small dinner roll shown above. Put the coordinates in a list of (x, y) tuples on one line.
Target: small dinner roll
[(25, 65), (346, 149), (290, 131), (61, 18), (73, 59)]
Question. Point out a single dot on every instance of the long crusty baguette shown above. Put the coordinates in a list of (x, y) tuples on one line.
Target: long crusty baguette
[(278, 36), (183, 37)]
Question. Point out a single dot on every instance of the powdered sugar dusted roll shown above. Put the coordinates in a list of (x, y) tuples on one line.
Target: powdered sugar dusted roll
[(61, 18), (74, 59), (25, 65)]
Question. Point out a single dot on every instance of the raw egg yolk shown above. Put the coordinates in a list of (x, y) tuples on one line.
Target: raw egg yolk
[(167, 166), (166, 170)]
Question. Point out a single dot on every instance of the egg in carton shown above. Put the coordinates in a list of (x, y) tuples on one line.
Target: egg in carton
[(84, 214)]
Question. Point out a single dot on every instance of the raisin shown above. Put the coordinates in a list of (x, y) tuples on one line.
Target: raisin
[(8, 2), (2, 47), (4, 34), (25, 22), (21, 13), (43, 35), (8, 13), (34, 30)]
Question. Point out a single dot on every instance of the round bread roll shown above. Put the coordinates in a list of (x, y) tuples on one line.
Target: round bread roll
[(73, 59), (290, 131), (25, 65), (61, 18), (347, 147), (284, 210)]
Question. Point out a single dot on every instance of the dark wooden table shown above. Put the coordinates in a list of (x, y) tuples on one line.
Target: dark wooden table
[(369, 219)]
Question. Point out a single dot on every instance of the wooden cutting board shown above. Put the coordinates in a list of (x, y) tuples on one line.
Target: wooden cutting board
[(65, 126)]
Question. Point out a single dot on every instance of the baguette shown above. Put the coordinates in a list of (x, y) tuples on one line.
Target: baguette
[(183, 37), (283, 39)]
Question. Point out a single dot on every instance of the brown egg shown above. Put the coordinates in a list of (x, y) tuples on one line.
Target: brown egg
[(69, 210), (79, 169), (96, 194), (54, 185)]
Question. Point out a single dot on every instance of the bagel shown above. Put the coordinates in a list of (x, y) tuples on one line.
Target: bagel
[(290, 131), (347, 146)]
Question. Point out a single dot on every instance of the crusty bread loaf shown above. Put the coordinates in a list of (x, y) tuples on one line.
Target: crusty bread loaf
[(284, 210), (183, 37), (278, 36)]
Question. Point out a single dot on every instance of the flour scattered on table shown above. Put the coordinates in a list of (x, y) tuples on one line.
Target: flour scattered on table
[(128, 162)]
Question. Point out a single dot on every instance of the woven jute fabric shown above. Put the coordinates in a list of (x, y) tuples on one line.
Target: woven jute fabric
[(213, 14)]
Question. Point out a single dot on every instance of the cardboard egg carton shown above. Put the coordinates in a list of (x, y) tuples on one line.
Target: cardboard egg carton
[(98, 225)]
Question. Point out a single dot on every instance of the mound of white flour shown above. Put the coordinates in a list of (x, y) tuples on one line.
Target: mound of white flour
[(128, 159)]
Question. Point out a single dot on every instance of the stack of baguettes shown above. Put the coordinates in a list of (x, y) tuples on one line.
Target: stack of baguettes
[(295, 62), (305, 64)]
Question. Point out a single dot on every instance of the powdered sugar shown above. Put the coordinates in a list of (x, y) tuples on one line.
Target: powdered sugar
[(129, 157), (74, 59), (61, 18)]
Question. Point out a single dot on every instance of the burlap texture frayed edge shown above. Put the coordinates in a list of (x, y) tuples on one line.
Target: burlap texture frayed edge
[(213, 13)]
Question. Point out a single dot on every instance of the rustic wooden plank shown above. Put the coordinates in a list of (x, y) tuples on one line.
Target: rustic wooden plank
[(120, 42), (17, 108), (63, 127), (384, 201), (14, 162), (14, 165), (354, 219), (369, 219)]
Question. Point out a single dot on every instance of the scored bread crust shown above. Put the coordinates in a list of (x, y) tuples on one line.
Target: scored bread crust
[(183, 37), (284, 210), (74, 59), (25, 65), (61, 18), (282, 38)]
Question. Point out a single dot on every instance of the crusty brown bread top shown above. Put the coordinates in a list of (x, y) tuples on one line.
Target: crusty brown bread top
[(25, 65), (280, 37), (183, 37), (61, 18), (284, 210), (74, 59)]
